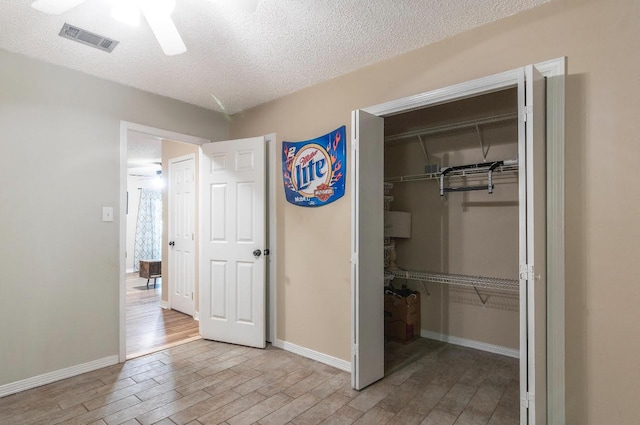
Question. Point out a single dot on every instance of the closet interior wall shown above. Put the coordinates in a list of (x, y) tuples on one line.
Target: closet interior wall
[(471, 233)]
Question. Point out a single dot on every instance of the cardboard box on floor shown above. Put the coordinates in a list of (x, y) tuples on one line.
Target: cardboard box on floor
[(402, 317)]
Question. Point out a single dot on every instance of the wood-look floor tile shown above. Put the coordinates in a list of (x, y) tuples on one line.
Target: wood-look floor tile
[(166, 410), (141, 408), (368, 398), (205, 382), (504, 416), (228, 410), (170, 385), (260, 381), (305, 385), (456, 399), (439, 417), (57, 417), (74, 399), (103, 411), (289, 411), (331, 385), (406, 417), (396, 399), (321, 411), (231, 382), (375, 416), (260, 410), (424, 402), (344, 416), (103, 400), (293, 377)]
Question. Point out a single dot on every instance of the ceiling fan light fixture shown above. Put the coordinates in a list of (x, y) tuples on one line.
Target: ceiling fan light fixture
[(127, 12)]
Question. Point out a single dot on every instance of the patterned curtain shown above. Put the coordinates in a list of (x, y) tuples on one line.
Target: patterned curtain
[(148, 242)]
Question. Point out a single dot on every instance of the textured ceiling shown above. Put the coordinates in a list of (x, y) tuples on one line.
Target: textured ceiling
[(144, 153), (237, 60)]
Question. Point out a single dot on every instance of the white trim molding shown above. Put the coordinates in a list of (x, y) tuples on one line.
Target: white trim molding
[(57, 375), (313, 355), (469, 343), (165, 305)]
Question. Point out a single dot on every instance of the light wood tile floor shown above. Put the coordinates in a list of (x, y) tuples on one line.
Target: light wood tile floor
[(149, 327), (205, 382)]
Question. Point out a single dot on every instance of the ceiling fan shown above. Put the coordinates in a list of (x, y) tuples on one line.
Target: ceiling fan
[(157, 13)]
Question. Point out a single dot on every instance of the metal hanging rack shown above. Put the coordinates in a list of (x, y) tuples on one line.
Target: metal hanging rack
[(474, 282), (483, 171)]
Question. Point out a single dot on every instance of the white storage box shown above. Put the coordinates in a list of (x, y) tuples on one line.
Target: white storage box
[(397, 224)]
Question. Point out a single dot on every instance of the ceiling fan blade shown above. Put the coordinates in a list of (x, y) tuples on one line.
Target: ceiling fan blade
[(247, 6), (55, 7), (166, 33)]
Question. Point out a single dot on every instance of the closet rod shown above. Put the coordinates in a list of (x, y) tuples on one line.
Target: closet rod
[(451, 127)]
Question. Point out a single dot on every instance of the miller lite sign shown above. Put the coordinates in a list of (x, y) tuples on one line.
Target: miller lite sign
[(314, 171)]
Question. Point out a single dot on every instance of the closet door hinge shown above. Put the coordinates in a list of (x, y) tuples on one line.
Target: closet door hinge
[(355, 145), (527, 400), (525, 113), (526, 272)]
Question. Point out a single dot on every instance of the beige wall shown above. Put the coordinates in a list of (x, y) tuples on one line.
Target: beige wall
[(601, 41), (171, 149), (60, 163), (471, 233)]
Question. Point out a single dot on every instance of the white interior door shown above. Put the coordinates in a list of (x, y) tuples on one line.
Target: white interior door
[(367, 241), (533, 306), (233, 238), (182, 191)]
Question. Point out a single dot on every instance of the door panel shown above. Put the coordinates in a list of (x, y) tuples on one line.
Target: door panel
[(367, 250), (533, 313), (182, 234), (233, 227)]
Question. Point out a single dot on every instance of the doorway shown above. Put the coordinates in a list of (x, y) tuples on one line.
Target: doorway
[(270, 252), (367, 250), (147, 322)]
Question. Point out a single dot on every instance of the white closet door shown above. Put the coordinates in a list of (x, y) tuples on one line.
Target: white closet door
[(533, 306), (367, 240)]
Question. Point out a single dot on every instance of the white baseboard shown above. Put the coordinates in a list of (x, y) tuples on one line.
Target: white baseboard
[(57, 375), (497, 349), (196, 316), (313, 355), (165, 305)]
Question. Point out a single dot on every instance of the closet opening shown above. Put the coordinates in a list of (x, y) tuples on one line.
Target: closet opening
[(451, 252), (453, 242)]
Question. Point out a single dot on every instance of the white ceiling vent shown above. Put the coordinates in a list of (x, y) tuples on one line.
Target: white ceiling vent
[(88, 38)]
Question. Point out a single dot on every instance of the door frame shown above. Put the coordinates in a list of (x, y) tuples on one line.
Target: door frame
[(196, 311), (272, 179), (554, 70), (125, 127)]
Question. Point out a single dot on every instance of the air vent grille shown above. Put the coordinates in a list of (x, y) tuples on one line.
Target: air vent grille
[(90, 39)]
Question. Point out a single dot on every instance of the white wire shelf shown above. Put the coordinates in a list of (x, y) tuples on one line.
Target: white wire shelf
[(472, 124), (460, 280)]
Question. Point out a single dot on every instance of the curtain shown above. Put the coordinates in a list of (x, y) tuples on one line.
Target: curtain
[(148, 240)]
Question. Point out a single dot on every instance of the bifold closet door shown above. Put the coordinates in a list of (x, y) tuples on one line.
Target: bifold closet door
[(367, 251), (533, 306)]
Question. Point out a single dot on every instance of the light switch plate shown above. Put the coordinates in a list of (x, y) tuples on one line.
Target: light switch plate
[(107, 213)]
